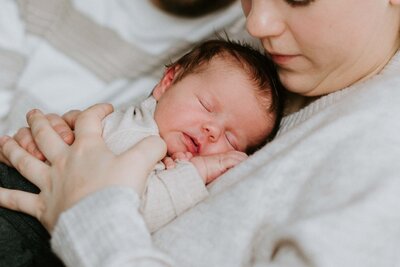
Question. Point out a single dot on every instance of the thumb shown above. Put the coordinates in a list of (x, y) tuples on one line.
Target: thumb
[(142, 157), (152, 149)]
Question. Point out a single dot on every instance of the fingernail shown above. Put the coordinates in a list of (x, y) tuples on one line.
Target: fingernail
[(32, 111), (68, 137)]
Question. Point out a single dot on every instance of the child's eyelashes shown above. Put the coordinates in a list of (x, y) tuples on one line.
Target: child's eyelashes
[(205, 105), (229, 137)]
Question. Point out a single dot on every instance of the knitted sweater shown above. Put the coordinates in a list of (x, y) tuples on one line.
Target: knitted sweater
[(69, 54), (168, 193), (325, 192)]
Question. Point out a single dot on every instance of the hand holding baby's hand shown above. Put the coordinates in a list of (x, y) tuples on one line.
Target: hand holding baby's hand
[(210, 167), (62, 125)]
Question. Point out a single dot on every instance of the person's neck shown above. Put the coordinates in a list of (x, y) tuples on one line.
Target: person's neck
[(379, 67), (295, 102)]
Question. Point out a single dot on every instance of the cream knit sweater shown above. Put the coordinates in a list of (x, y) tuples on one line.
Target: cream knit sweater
[(325, 192), (168, 193)]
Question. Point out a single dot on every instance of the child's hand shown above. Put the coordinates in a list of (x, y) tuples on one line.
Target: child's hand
[(169, 162), (210, 167)]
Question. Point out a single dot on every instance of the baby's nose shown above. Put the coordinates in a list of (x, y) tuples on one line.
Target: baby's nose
[(213, 132)]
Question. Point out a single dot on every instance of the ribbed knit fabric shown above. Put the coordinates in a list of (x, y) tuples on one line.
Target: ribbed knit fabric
[(391, 69)]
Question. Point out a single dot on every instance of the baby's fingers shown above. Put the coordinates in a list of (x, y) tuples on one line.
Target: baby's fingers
[(62, 127), (231, 159), (168, 162), (185, 156), (24, 138), (44, 134), (70, 117)]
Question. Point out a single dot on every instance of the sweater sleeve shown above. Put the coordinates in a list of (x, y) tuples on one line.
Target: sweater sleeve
[(106, 229), (170, 193)]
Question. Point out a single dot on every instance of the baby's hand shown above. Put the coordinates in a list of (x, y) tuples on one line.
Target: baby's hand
[(169, 162), (210, 167)]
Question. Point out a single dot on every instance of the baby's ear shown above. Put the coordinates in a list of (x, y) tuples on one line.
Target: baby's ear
[(395, 2), (165, 82)]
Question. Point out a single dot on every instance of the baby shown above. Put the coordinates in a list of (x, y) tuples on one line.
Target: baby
[(214, 105)]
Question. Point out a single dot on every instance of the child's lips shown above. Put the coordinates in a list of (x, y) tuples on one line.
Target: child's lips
[(191, 144)]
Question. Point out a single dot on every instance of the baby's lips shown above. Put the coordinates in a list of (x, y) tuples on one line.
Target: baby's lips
[(190, 144)]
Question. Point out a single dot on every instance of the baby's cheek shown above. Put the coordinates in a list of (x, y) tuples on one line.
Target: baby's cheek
[(216, 148), (173, 144)]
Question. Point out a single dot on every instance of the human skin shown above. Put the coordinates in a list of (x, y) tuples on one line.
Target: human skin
[(350, 40), (201, 113), (208, 167), (199, 116)]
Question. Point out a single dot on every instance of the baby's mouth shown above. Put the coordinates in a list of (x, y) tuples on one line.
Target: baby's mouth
[(191, 144)]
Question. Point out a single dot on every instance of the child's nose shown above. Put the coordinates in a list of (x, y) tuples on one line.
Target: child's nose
[(212, 131)]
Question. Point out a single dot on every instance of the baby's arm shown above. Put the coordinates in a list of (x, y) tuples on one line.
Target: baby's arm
[(209, 167), (169, 193), (182, 185), (212, 166)]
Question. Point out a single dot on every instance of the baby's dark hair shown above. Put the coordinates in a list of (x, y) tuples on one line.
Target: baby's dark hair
[(257, 65)]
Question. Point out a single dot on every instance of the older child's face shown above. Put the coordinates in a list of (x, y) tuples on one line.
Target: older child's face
[(321, 46), (210, 112)]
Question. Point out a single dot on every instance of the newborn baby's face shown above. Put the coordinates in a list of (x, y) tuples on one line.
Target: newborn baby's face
[(212, 111)]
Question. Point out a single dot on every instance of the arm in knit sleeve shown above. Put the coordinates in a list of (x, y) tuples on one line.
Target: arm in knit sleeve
[(171, 192), (106, 229)]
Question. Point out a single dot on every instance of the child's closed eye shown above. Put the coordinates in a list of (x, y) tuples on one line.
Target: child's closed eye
[(231, 140), (205, 104)]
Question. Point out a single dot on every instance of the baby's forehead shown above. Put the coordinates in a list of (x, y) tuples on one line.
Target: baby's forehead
[(259, 93), (228, 60), (222, 64)]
